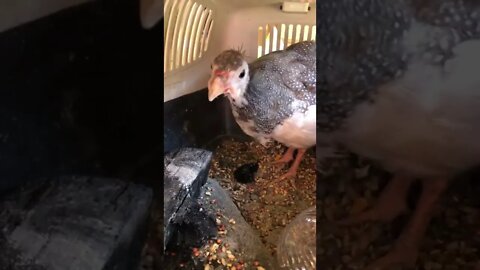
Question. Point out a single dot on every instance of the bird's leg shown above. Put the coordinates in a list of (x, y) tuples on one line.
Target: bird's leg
[(287, 157), (293, 169), (406, 248), (390, 204)]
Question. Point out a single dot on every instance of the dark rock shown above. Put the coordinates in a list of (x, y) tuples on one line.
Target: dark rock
[(185, 173), (74, 223), (195, 226)]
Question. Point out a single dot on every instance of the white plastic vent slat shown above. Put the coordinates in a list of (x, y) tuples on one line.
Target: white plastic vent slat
[(299, 33), (204, 34), (294, 35), (196, 48), (188, 29), (260, 38), (275, 43), (209, 31), (186, 32), (267, 43), (270, 41), (169, 36), (263, 44), (274, 37), (288, 39), (166, 10), (176, 33), (181, 33), (282, 39), (306, 29), (191, 45)]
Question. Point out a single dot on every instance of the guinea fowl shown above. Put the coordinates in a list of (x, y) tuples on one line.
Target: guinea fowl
[(273, 97), (398, 83)]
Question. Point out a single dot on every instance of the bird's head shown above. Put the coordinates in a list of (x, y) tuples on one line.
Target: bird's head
[(229, 75)]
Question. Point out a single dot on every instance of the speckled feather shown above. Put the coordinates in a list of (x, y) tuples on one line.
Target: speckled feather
[(281, 83), (361, 46), (397, 82)]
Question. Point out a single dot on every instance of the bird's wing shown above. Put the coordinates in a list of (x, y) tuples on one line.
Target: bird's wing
[(451, 92), (304, 58), (298, 68), (463, 16), (457, 82), (305, 49), (280, 84), (292, 70)]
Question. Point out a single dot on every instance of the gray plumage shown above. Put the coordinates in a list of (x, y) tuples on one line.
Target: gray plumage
[(280, 84), (363, 46), (273, 98), (276, 80)]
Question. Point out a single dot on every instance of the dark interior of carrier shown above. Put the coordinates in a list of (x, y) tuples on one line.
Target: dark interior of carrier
[(80, 94), (81, 107)]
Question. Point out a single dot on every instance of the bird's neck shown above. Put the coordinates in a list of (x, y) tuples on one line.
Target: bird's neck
[(238, 99), (238, 96)]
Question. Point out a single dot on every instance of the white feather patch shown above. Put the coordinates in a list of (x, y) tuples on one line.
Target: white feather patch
[(299, 130), (428, 122)]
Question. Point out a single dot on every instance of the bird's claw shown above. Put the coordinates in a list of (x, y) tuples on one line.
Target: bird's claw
[(395, 258), (377, 214), (290, 175), (385, 210), (279, 163), (287, 175), (283, 159), (286, 157)]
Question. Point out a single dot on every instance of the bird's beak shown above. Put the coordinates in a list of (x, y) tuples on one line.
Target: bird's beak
[(217, 84), (215, 87)]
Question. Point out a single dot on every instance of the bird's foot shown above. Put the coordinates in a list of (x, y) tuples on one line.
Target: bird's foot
[(288, 175), (391, 204), (405, 251), (381, 212), (287, 157), (292, 172), (400, 256)]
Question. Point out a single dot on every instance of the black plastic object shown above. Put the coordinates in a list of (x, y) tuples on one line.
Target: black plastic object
[(246, 173)]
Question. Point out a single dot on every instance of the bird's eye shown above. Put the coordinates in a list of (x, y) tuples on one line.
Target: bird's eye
[(242, 74), (211, 66)]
